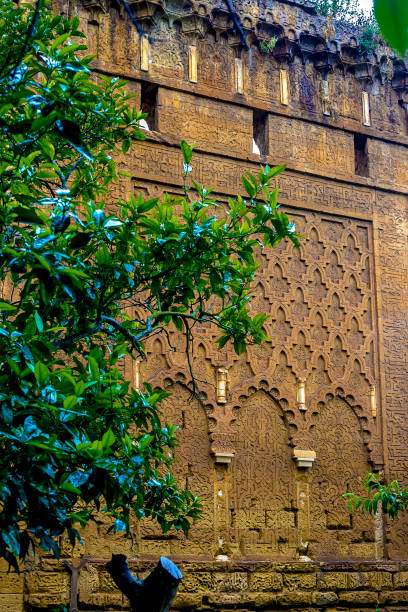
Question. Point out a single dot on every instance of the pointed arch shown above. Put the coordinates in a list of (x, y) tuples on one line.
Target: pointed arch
[(341, 458), (262, 478)]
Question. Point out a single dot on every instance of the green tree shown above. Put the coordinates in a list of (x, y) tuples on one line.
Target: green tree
[(388, 18), (351, 11), (84, 287)]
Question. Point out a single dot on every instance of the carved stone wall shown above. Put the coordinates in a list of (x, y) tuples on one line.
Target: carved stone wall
[(330, 390), (263, 482)]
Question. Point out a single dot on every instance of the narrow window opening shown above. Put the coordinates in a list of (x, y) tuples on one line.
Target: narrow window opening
[(148, 104), (361, 155), (260, 142)]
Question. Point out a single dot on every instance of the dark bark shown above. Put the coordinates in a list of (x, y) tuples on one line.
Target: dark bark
[(155, 593)]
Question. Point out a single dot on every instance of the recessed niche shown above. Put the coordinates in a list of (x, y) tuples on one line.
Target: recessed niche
[(361, 155)]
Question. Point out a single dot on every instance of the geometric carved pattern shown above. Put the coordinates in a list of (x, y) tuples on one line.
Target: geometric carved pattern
[(322, 331), (329, 304)]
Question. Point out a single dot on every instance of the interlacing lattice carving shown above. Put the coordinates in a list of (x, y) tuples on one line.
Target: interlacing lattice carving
[(323, 333)]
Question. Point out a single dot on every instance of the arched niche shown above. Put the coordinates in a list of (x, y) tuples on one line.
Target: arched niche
[(262, 515), (341, 463), (193, 470)]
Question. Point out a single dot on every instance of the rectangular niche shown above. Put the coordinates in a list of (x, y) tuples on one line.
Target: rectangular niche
[(260, 132), (148, 104), (361, 155)]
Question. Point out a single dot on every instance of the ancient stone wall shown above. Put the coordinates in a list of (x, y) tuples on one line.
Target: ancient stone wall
[(329, 392)]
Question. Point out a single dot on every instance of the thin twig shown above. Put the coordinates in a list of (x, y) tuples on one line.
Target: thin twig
[(29, 34), (190, 365)]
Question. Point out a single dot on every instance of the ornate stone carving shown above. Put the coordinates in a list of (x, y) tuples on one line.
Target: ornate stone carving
[(340, 455)]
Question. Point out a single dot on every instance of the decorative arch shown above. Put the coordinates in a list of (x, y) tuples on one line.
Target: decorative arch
[(262, 497), (342, 460), (193, 468)]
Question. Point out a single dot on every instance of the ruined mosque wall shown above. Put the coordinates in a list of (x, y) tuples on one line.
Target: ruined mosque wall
[(330, 391)]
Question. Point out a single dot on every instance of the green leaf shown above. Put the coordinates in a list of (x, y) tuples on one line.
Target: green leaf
[(93, 367), (249, 188), (11, 539), (147, 205), (7, 307), (70, 402), (187, 151), (58, 42), (44, 263), (67, 486), (276, 170), (145, 441), (27, 215), (47, 147), (126, 145), (108, 439), (73, 273), (41, 373), (392, 17), (39, 322), (80, 240), (239, 347)]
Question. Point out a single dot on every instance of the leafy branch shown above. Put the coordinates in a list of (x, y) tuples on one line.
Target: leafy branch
[(392, 497)]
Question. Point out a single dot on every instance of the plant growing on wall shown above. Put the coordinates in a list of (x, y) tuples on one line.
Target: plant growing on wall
[(85, 285), (388, 20), (350, 11), (267, 46), (392, 497)]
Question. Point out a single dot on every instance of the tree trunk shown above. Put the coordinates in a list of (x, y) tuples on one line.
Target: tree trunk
[(155, 593)]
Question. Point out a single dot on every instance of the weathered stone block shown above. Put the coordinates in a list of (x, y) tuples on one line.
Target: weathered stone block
[(213, 125), (294, 598), (265, 600), (282, 518), (11, 583), (388, 162), (197, 582), (47, 582), (231, 599), (184, 601), (379, 580), (46, 600), (358, 597), (265, 581), (103, 547), (311, 147), (11, 602), (296, 567), (401, 580), (231, 583), (249, 518), (324, 598), (332, 580), (394, 597), (299, 581), (103, 600)]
